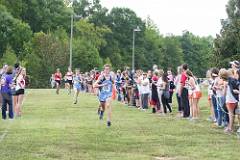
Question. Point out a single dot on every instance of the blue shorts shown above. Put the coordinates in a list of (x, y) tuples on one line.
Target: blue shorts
[(77, 87), (104, 97)]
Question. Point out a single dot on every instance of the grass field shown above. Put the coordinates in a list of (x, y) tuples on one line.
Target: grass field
[(52, 128)]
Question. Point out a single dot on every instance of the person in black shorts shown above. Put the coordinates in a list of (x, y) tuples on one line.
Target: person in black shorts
[(69, 80), (58, 78), (20, 91)]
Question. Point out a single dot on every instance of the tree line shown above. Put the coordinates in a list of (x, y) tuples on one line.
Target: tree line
[(37, 34)]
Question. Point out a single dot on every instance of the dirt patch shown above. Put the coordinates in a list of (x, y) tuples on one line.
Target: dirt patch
[(165, 158), (170, 158)]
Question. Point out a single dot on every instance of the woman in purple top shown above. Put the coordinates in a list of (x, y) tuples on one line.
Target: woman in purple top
[(6, 84)]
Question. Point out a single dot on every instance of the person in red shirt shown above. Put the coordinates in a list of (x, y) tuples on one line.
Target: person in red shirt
[(58, 78), (183, 92)]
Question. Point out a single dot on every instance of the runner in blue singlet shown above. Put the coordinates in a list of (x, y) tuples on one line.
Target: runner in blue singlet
[(105, 83), (76, 84)]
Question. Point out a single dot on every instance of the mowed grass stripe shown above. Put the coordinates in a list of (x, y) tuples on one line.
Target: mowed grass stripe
[(53, 128)]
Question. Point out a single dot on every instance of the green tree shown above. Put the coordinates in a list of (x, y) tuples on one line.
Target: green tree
[(122, 21), (85, 55), (227, 44), (9, 57), (13, 32), (172, 53), (46, 53), (87, 42), (153, 44), (197, 52), (41, 15)]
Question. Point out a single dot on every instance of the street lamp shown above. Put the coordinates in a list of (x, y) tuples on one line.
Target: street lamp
[(69, 4), (133, 49), (71, 38)]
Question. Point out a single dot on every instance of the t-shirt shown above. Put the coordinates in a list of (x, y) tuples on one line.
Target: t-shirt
[(145, 88), (154, 78), (77, 80), (21, 83), (220, 90), (107, 89), (96, 76), (177, 82), (58, 76), (183, 79), (69, 76), (118, 81), (5, 83), (170, 77)]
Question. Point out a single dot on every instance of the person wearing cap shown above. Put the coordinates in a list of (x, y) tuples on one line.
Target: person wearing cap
[(235, 65), (232, 97)]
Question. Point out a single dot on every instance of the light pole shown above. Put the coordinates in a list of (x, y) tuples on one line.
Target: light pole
[(133, 48), (71, 39)]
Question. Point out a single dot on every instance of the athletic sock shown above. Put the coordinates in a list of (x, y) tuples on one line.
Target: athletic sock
[(101, 115)]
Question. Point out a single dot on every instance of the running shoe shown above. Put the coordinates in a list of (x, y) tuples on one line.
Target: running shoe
[(75, 102), (238, 133), (228, 131), (109, 124)]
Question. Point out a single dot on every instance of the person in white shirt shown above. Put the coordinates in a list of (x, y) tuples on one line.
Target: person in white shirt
[(20, 91), (69, 80), (160, 91), (145, 90), (178, 85)]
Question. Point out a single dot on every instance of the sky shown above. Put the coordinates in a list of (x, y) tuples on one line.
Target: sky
[(201, 17)]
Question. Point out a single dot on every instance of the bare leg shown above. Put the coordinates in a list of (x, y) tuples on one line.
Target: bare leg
[(191, 106), (15, 101), (109, 110), (58, 88), (211, 109), (19, 105), (231, 116), (76, 96)]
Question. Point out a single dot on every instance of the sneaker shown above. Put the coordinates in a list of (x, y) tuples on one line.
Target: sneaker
[(109, 124), (75, 102), (238, 133), (210, 119), (228, 131)]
